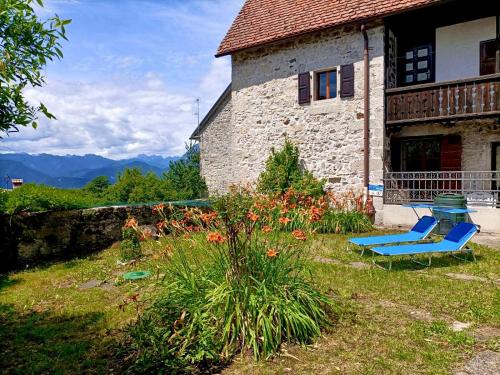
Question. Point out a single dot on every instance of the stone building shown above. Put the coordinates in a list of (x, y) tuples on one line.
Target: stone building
[(400, 98)]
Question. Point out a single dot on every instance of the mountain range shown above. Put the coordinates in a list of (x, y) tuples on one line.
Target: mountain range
[(72, 171)]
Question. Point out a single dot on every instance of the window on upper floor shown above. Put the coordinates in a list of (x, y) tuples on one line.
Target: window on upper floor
[(417, 65), (487, 57), (326, 85)]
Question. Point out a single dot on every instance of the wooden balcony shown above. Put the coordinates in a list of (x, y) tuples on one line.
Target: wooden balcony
[(444, 101)]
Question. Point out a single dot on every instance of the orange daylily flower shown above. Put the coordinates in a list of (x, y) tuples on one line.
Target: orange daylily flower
[(215, 237), (267, 229), (253, 216), (161, 224), (299, 235), (316, 214), (284, 220), (157, 208), (271, 253), (208, 218), (131, 223)]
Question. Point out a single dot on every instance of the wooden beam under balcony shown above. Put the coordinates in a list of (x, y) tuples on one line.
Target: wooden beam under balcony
[(451, 100)]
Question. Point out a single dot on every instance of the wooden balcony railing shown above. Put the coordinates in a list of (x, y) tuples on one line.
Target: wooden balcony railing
[(461, 99)]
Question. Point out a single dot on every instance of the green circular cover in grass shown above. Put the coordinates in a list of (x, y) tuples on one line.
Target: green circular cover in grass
[(136, 275)]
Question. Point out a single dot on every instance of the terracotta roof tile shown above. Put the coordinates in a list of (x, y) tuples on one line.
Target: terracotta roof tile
[(264, 21)]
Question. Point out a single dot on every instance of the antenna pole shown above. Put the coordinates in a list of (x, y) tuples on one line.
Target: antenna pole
[(198, 111)]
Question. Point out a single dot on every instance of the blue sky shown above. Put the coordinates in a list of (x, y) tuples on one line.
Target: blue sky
[(131, 72)]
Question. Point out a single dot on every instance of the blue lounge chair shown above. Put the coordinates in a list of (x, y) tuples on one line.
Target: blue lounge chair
[(455, 241), (420, 231)]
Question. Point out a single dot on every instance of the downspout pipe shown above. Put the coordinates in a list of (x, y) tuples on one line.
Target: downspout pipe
[(370, 210), (366, 132)]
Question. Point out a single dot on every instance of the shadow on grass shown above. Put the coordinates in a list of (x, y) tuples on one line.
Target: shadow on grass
[(6, 281), (43, 343), (437, 261)]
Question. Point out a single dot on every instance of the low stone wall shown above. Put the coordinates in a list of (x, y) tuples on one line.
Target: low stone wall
[(30, 238)]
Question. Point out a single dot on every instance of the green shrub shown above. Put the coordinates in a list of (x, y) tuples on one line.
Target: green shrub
[(32, 197), (183, 177), (309, 185), (230, 289), (283, 171), (4, 196), (130, 247), (98, 186)]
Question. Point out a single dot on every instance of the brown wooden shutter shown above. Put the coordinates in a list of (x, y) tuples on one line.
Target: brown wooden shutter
[(304, 88), (347, 81), (451, 153)]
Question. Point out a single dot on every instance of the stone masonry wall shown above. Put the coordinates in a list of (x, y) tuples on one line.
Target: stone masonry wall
[(329, 133), (477, 137), (30, 238), (216, 149), (263, 111)]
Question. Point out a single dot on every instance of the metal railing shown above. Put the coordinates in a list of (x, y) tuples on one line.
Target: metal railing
[(478, 187)]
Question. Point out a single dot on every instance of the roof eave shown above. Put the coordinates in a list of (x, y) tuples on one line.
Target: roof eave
[(203, 124)]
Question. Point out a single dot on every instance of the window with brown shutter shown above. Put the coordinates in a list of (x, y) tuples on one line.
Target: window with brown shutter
[(347, 81), (304, 88), (326, 85), (488, 61)]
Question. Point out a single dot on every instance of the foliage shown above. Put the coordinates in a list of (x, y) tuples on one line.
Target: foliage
[(182, 182), (131, 186), (343, 222), (184, 176), (330, 213), (249, 291), (130, 247), (98, 186), (4, 196), (26, 44), (283, 171), (309, 185), (31, 197)]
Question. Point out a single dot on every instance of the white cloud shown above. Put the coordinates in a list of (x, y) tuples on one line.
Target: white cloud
[(112, 100), (218, 76), (118, 118), (113, 118)]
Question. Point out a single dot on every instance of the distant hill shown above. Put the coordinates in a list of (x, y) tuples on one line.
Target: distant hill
[(72, 171)]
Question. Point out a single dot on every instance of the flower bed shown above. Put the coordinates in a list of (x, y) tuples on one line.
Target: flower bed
[(237, 281)]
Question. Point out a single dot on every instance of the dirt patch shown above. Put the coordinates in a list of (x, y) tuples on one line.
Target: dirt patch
[(466, 277), (484, 334), (103, 284), (457, 326), (359, 265), (326, 260), (90, 284), (107, 286), (484, 363)]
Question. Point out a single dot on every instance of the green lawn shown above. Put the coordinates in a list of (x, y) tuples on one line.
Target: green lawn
[(392, 322)]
